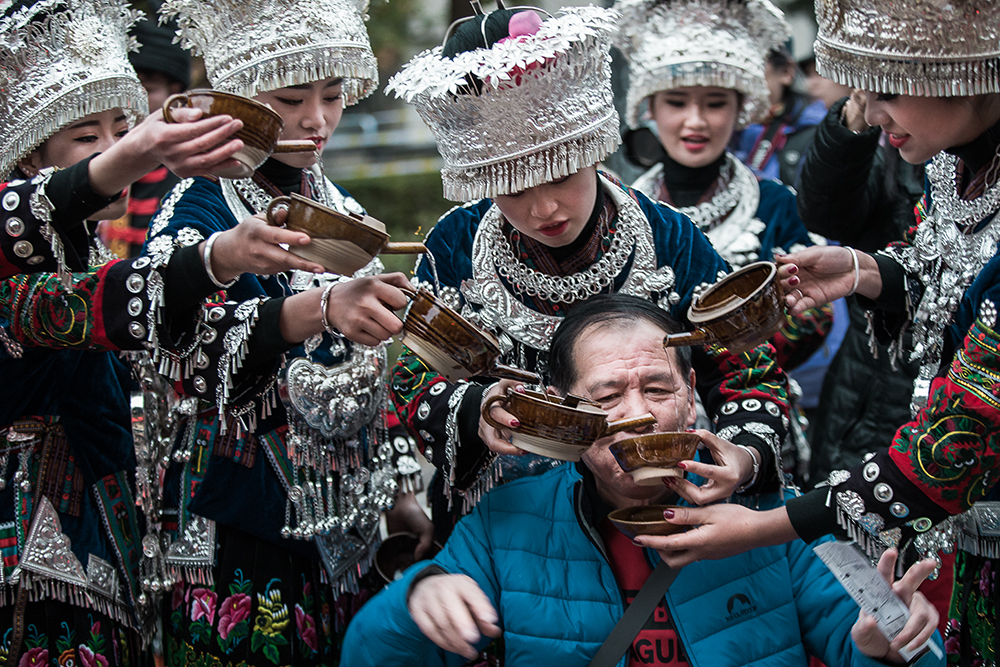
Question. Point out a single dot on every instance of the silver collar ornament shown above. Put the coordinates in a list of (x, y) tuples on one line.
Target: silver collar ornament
[(931, 48), (544, 109), (946, 255), (677, 43), (252, 46), (61, 60)]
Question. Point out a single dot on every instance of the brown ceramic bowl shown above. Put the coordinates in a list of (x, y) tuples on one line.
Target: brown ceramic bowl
[(644, 520), (452, 345), (261, 127), (739, 312), (341, 243), (648, 458), (556, 427), (396, 554)]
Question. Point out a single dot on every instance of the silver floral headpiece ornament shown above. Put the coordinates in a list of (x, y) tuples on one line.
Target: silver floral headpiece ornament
[(678, 43), (252, 46), (61, 60), (931, 48), (542, 109)]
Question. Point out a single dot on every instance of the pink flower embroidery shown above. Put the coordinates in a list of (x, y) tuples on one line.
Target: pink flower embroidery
[(234, 609), (179, 596), (203, 605), (90, 659), (34, 657), (306, 625)]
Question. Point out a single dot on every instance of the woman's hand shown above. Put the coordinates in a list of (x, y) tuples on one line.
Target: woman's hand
[(719, 531), (923, 616), (453, 612), (822, 274), (193, 146), (253, 247), (406, 516), (733, 469), (363, 309), (497, 439)]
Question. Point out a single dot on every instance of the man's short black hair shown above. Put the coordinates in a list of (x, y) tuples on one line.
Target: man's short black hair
[(601, 309)]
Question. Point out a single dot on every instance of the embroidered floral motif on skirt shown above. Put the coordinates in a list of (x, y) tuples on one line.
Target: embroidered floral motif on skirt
[(971, 637), (57, 633)]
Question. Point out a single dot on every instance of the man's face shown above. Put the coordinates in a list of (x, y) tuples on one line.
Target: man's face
[(624, 367)]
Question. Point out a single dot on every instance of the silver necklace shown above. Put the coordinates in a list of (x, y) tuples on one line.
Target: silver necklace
[(557, 289), (947, 254), (735, 183)]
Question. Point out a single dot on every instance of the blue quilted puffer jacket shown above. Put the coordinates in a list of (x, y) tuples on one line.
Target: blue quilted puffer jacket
[(527, 546)]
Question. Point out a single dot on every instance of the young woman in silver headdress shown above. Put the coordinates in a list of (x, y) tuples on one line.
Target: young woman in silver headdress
[(552, 232), (70, 581), (933, 87), (266, 549), (697, 68)]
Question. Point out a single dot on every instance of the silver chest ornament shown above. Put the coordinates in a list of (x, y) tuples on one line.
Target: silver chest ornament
[(339, 400)]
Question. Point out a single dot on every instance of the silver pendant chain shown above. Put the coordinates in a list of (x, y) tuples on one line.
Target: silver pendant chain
[(729, 192)]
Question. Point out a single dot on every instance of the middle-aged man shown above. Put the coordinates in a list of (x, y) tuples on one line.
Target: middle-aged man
[(540, 563)]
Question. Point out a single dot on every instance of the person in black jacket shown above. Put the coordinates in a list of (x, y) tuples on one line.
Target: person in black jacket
[(855, 191)]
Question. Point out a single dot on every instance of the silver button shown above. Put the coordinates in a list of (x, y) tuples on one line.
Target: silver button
[(35, 260), (883, 492), (899, 510), (424, 435), (437, 388), (14, 226), (137, 330), (772, 409), (751, 404), (200, 385), (11, 200), (423, 411), (209, 336), (729, 408), (134, 283), (201, 360), (216, 314), (23, 249), (870, 471), (922, 525), (140, 263), (134, 306)]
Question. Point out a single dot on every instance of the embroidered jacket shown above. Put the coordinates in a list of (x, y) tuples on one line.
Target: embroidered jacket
[(333, 395), (948, 456), (68, 525), (665, 258)]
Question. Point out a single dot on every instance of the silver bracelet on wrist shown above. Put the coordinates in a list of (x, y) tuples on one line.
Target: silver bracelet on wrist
[(857, 270), (756, 468), (206, 258), (324, 301)]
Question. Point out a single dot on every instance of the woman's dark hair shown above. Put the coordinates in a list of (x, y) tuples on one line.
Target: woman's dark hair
[(603, 309), (468, 36)]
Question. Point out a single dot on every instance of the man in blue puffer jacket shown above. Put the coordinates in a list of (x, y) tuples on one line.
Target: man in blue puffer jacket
[(541, 563)]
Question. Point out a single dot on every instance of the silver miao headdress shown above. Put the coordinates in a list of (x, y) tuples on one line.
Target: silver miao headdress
[(544, 108), (931, 48), (252, 46), (677, 43), (61, 60)]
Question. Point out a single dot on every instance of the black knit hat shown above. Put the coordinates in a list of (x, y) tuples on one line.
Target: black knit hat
[(158, 53)]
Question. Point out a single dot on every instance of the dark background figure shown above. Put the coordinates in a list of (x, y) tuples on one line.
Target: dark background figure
[(774, 147), (164, 69), (860, 193)]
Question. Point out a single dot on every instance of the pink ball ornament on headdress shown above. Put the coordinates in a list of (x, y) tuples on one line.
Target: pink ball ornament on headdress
[(521, 26)]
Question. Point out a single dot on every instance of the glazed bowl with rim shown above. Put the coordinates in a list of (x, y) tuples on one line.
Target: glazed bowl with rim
[(261, 127), (741, 311), (557, 427), (648, 458), (644, 520), (341, 243)]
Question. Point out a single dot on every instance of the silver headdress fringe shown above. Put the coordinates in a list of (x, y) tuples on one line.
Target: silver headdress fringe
[(69, 62), (677, 43), (923, 47), (252, 46), (543, 108)]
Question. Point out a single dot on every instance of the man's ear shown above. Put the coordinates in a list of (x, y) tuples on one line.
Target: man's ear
[(31, 163)]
